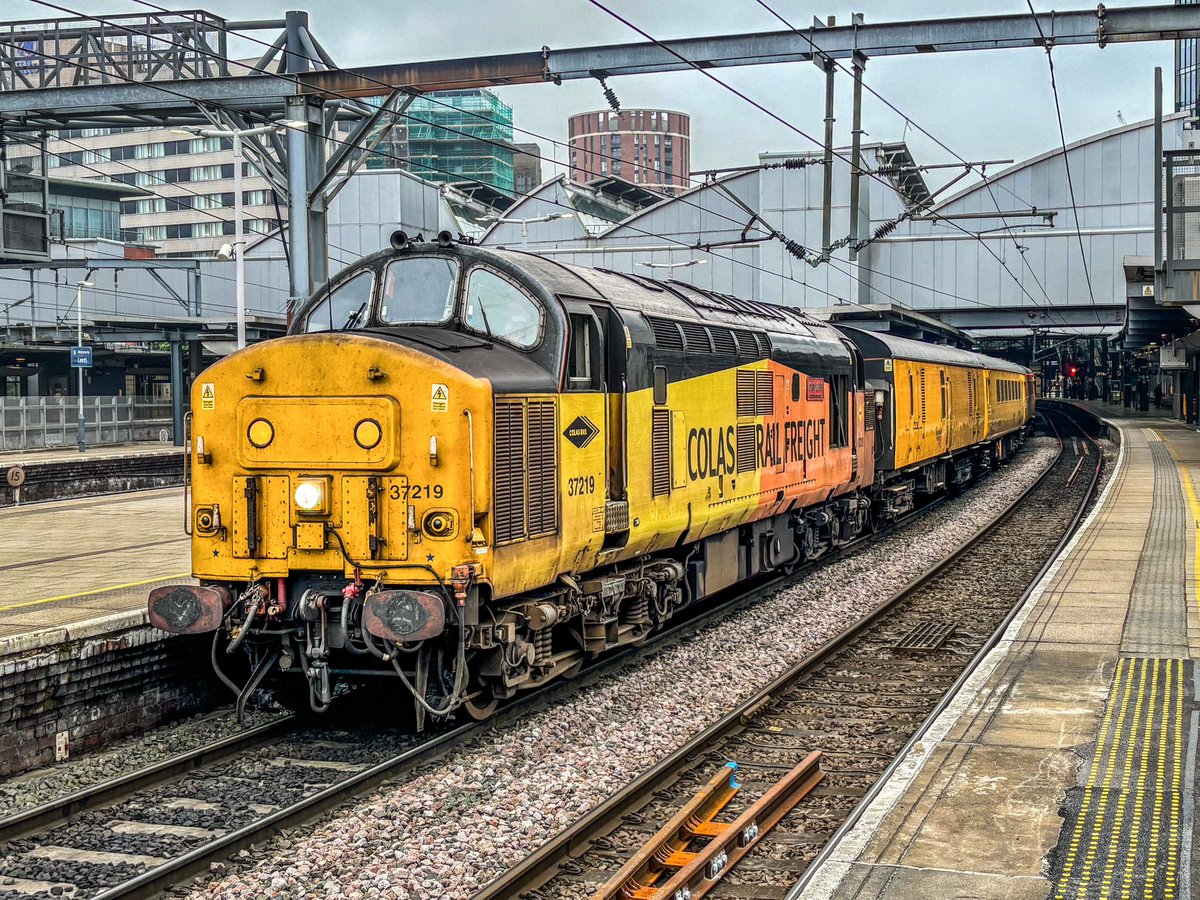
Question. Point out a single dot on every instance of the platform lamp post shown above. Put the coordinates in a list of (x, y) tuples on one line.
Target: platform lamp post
[(674, 265), (239, 243), (525, 223), (79, 425)]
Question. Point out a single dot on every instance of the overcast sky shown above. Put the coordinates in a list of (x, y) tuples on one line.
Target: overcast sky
[(990, 105)]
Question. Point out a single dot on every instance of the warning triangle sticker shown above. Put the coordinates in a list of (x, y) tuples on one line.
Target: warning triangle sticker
[(208, 392), (439, 393)]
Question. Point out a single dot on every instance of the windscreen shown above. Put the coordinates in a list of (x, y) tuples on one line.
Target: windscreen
[(418, 290)]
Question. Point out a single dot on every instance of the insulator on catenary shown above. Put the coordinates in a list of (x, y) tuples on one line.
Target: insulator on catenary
[(796, 249), (611, 96)]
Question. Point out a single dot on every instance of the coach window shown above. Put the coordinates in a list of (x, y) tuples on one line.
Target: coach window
[(498, 308), (583, 354), (346, 306)]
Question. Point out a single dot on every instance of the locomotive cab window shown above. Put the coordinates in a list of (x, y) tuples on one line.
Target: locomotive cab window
[(418, 290), (498, 308), (346, 306), (838, 386), (584, 368)]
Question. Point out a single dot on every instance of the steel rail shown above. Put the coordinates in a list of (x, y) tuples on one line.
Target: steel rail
[(162, 877), (106, 793), (993, 639), (540, 866)]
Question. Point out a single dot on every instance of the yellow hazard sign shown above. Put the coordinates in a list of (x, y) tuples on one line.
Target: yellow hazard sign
[(208, 395), (439, 398)]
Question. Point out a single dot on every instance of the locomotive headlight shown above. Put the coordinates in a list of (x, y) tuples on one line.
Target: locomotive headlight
[(312, 496)]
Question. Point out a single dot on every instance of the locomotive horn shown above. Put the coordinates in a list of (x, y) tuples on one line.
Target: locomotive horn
[(444, 239), (399, 240)]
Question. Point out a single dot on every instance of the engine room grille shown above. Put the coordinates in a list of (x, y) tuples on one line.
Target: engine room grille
[(510, 470), (526, 468), (660, 452), (746, 392), (723, 341), (869, 411), (666, 334), (747, 448), (541, 431), (764, 394), (697, 337)]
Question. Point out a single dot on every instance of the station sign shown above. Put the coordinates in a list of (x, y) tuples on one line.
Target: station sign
[(81, 357)]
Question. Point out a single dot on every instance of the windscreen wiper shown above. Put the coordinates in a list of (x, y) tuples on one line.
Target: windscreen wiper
[(352, 320)]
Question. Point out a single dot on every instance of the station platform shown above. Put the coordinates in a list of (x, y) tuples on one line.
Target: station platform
[(70, 561), (79, 663), (1064, 767), (63, 473)]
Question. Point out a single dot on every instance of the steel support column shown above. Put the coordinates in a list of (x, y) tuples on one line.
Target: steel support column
[(305, 168), (177, 389)]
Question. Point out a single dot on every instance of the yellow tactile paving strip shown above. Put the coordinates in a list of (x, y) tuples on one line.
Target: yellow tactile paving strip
[(1126, 839)]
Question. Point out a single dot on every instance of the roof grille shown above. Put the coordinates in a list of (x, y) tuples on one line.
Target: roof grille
[(666, 333)]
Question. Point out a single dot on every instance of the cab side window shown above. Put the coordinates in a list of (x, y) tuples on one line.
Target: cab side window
[(346, 306), (584, 365), (498, 308)]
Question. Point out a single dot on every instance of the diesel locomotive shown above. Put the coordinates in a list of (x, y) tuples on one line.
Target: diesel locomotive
[(465, 471)]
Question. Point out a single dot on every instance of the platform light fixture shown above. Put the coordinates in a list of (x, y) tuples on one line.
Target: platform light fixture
[(80, 437), (525, 223), (239, 240), (674, 265)]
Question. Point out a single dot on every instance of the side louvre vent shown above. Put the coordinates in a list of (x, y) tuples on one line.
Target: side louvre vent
[(764, 345), (697, 338), (542, 471), (746, 392), (764, 393), (922, 396), (722, 340), (526, 469), (869, 411), (747, 345), (747, 448), (510, 470), (666, 334), (660, 452)]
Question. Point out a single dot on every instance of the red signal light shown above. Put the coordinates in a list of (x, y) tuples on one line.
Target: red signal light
[(1072, 371)]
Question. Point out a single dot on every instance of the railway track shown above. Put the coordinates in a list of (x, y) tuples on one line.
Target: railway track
[(859, 700), (140, 834)]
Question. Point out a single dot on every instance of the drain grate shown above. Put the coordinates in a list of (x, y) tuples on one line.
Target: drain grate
[(926, 636)]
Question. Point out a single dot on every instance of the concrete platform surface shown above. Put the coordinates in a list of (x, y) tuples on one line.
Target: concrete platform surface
[(1064, 768), (66, 562), (72, 454)]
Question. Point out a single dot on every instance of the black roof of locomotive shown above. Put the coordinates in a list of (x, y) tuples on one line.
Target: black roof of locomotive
[(666, 299)]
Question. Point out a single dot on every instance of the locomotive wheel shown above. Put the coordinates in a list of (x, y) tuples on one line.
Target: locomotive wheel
[(481, 705)]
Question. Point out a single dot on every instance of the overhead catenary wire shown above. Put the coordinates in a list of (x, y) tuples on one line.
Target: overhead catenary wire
[(681, 244), (971, 167), (775, 116), (383, 154), (1062, 135), (791, 246)]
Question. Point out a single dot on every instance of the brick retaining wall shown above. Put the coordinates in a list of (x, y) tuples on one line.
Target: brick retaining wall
[(99, 681), (62, 479)]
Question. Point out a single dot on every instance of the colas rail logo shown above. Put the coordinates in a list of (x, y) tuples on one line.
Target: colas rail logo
[(581, 432)]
